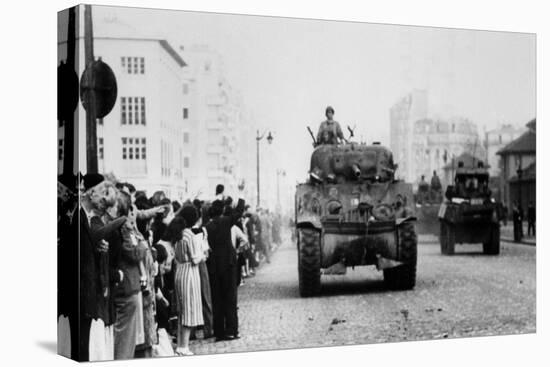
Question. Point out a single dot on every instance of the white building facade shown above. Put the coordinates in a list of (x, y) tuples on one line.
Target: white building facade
[(220, 135), (141, 140), (422, 145)]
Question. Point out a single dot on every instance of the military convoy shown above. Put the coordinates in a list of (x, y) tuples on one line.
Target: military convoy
[(352, 212), (469, 214)]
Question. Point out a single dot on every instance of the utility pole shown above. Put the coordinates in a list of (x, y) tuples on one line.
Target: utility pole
[(68, 124), (91, 124)]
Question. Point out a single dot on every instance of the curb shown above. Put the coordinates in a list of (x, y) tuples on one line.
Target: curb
[(511, 240)]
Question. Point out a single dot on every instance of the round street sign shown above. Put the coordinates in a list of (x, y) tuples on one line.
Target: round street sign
[(99, 77), (67, 91)]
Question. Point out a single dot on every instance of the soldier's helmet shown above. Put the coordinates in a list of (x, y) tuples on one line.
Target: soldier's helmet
[(329, 108)]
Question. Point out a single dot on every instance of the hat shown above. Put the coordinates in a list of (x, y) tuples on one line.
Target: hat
[(329, 108), (92, 179), (69, 181)]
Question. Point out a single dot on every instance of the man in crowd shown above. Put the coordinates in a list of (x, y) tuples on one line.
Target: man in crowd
[(531, 217), (517, 218), (223, 263), (95, 333)]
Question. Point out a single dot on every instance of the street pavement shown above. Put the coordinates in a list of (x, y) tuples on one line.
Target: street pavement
[(468, 294)]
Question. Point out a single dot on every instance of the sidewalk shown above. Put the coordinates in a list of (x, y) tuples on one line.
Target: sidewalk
[(507, 234)]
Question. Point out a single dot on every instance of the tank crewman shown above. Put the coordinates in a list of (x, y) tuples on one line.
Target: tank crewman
[(330, 131)]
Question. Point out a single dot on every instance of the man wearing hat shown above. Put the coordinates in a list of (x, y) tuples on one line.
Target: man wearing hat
[(94, 292), (330, 131)]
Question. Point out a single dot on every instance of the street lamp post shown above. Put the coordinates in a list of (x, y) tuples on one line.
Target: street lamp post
[(269, 140), (280, 172), (520, 206)]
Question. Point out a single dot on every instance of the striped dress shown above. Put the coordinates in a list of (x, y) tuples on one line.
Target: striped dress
[(188, 281)]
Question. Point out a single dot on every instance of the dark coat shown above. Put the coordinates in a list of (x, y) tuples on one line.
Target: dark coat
[(89, 278), (125, 257), (67, 266), (94, 266), (219, 236)]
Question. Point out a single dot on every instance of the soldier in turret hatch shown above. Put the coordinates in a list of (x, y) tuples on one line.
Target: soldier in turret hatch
[(330, 131)]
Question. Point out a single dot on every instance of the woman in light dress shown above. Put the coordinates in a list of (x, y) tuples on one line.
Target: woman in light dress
[(189, 254)]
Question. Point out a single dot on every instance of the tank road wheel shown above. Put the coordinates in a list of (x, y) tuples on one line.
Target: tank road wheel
[(404, 276), (309, 262), (492, 247), (448, 245)]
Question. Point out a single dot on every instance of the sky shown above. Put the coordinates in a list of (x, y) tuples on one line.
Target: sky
[(288, 70)]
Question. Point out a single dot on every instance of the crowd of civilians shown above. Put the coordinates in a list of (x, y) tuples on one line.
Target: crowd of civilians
[(136, 273)]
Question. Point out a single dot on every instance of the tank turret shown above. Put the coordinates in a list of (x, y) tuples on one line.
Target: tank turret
[(351, 162)]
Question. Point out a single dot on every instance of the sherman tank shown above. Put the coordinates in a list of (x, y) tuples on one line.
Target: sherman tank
[(469, 213), (351, 212)]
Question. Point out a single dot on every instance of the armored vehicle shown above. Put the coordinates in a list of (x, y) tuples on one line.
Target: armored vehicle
[(469, 214), (352, 212)]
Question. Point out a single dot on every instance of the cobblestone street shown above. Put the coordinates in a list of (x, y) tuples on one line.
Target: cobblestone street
[(467, 294)]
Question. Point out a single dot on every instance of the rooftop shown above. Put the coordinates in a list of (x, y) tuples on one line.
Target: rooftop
[(526, 143)]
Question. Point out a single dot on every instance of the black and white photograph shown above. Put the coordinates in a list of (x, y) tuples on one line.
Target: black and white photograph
[(239, 183)]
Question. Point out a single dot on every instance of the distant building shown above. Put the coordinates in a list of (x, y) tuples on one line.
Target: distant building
[(518, 168), (422, 145), (495, 140), (219, 134), (403, 115)]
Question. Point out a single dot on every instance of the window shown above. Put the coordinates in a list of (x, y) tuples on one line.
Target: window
[(132, 111), (60, 150), (142, 105), (123, 110), (130, 114), (186, 137), (185, 113), (133, 65), (186, 162), (166, 158), (134, 148), (100, 148)]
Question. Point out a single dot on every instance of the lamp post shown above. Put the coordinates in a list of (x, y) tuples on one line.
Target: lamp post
[(280, 172), (519, 172), (269, 141)]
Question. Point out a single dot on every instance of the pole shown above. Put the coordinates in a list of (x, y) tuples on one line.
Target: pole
[(68, 149), (258, 167), (91, 132)]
